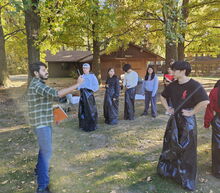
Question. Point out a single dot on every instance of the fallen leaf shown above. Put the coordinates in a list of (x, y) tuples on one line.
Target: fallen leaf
[(5, 182), (149, 179), (202, 180)]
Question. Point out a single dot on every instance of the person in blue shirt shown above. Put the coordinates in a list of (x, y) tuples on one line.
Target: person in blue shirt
[(88, 114), (90, 80), (150, 86)]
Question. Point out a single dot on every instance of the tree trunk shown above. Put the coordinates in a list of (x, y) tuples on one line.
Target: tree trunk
[(181, 51), (170, 18), (3, 62), (181, 43), (96, 66), (171, 52), (32, 25)]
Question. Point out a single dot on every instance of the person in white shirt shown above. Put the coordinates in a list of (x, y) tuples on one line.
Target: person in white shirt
[(130, 83)]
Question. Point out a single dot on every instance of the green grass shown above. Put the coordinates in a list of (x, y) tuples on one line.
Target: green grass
[(112, 159)]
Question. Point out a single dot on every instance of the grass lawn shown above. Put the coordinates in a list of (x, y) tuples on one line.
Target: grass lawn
[(112, 159)]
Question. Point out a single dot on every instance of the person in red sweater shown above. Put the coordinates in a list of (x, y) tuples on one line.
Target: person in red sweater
[(212, 117)]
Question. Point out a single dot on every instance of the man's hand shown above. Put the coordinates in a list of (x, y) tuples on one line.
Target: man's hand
[(188, 113), (114, 99), (170, 110), (63, 92), (80, 80)]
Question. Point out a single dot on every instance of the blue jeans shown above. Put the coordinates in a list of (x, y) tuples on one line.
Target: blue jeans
[(44, 137), (153, 100)]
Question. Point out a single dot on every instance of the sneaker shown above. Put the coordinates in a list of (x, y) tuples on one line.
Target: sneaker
[(144, 114), (46, 190), (114, 122)]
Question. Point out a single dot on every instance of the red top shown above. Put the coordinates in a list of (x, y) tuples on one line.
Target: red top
[(169, 77), (212, 107)]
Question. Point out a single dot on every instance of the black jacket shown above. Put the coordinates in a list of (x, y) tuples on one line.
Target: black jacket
[(113, 88)]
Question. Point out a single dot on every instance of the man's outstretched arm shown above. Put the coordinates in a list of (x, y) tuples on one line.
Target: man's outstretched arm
[(63, 92)]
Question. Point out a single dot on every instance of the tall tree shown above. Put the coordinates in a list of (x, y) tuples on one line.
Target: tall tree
[(3, 62), (108, 24), (170, 13), (188, 26), (32, 25), (7, 32), (182, 26), (202, 32)]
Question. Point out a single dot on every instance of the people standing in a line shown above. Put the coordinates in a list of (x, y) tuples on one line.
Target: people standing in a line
[(178, 159), (150, 85), (167, 79), (130, 83), (88, 115), (212, 117), (40, 101), (111, 100)]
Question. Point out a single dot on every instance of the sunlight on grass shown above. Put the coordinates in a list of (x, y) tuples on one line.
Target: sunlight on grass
[(119, 159)]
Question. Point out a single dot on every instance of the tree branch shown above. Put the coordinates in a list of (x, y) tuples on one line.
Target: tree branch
[(155, 16), (203, 3), (106, 41), (7, 36), (155, 30), (4, 6)]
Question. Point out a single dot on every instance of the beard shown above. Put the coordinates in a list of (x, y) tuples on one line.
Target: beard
[(43, 77)]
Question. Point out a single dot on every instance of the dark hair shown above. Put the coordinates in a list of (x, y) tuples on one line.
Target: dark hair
[(35, 67), (108, 71), (126, 67), (147, 73), (217, 85), (166, 71), (182, 65)]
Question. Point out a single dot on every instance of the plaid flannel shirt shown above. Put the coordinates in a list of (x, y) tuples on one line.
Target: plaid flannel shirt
[(40, 103)]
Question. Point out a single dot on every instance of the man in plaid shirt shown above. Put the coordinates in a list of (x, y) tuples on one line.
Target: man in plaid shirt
[(40, 100)]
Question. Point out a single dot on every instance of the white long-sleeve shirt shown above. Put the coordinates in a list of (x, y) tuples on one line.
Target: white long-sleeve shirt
[(130, 79)]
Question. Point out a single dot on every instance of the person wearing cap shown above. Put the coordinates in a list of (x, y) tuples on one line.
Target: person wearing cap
[(130, 83), (90, 80), (87, 106)]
